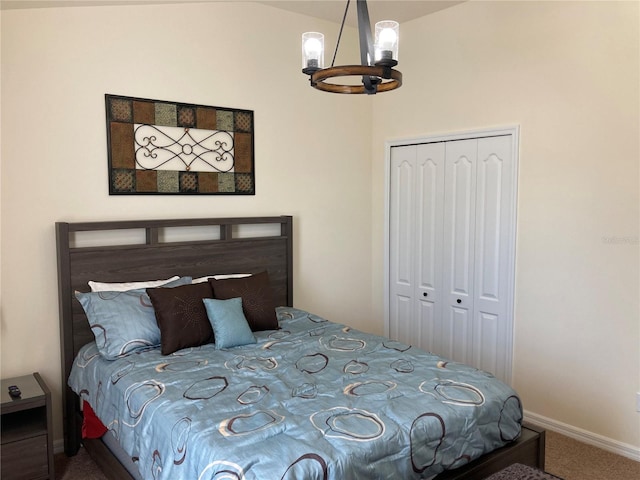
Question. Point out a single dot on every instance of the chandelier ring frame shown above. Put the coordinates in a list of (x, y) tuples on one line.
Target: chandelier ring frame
[(318, 78)]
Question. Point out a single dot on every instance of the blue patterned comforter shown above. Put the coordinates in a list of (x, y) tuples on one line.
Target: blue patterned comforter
[(314, 400)]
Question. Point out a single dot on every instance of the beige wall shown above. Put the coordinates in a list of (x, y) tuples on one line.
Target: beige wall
[(57, 64), (568, 74)]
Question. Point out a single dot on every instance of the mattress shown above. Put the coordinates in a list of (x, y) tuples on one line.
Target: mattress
[(313, 399)]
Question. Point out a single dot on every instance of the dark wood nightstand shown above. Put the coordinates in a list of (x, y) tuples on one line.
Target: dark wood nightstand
[(26, 450)]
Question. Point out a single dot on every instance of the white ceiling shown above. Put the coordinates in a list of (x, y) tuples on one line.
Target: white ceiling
[(332, 10)]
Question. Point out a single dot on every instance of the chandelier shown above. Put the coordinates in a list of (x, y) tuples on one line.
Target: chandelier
[(377, 58)]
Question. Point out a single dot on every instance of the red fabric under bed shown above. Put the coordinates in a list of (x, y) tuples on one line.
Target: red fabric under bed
[(92, 427)]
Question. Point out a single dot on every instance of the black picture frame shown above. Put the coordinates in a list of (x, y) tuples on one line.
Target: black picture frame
[(158, 147)]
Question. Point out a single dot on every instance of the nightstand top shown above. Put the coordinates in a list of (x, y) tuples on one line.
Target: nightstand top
[(28, 385)]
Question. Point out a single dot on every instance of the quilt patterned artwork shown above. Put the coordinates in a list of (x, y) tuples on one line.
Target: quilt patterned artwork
[(160, 147)]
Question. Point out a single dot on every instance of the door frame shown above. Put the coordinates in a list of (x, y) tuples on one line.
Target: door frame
[(514, 131)]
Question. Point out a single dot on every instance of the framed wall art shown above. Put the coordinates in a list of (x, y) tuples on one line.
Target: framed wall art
[(171, 148)]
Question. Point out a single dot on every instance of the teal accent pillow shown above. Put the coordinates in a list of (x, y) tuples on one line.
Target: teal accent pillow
[(230, 326), (123, 322)]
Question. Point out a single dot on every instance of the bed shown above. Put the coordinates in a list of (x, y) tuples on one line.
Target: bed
[(271, 409)]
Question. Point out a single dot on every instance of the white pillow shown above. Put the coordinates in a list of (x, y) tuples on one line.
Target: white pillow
[(124, 286), (220, 277)]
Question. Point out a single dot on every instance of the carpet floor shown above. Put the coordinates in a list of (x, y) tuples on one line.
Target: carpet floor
[(78, 467), (573, 460), (565, 458)]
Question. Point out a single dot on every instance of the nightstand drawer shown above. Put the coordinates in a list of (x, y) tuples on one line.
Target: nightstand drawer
[(25, 460)]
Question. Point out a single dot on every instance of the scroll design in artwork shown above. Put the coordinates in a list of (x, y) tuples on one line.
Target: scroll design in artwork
[(194, 149)]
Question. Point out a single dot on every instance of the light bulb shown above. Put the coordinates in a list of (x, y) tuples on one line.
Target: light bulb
[(386, 43), (387, 38), (312, 48), (312, 51)]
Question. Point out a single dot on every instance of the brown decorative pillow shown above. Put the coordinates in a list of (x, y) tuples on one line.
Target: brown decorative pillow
[(181, 316), (257, 298)]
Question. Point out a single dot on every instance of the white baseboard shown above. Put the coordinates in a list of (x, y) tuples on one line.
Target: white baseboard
[(608, 444)]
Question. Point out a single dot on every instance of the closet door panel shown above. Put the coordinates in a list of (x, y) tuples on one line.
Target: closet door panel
[(486, 347), (488, 227), (404, 327), (402, 244), (427, 326), (458, 335), (493, 223), (493, 193), (459, 213), (458, 245), (402, 213), (429, 200)]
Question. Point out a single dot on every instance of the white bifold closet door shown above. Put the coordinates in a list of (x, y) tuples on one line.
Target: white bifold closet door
[(451, 249)]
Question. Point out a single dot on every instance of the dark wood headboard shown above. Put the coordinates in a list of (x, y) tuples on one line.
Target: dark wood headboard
[(229, 249)]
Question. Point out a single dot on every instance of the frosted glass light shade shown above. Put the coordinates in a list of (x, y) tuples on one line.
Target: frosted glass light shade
[(312, 50), (386, 40)]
